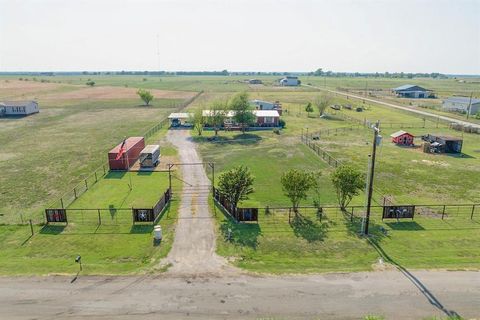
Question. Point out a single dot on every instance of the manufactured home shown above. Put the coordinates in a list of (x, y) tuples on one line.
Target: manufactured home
[(290, 81), (18, 108)]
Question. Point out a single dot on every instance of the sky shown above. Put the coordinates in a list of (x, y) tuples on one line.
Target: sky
[(248, 35)]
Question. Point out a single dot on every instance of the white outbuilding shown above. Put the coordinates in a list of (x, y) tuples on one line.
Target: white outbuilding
[(18, 108)]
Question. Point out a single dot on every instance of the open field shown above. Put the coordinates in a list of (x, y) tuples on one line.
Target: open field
[(48, 153)]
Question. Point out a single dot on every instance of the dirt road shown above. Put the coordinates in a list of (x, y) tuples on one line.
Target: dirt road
[(396, 106), (193, 250), (330, 296)]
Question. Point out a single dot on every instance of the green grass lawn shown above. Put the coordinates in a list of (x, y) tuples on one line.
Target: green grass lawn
[(113, 191), (113, 246)]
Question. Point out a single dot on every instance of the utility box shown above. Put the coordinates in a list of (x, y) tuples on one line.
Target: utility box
[(150, 156), (133, 146)]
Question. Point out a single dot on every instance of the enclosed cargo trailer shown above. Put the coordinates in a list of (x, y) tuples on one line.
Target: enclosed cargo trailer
[(133, 145), (150, 156)]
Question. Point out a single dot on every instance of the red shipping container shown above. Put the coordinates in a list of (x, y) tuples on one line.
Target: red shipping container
[(134, 145)]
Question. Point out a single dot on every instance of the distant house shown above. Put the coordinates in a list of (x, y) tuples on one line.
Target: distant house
[(266, 105), (412, 91), (289, 81), (18, 108), (264, 118), (443, 144), (255, 81), (460, 104), (402, 138)]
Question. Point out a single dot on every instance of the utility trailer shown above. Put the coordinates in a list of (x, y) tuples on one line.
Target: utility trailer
[(150, 156)]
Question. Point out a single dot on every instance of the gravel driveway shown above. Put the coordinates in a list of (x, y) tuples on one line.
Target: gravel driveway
[(193, 251)]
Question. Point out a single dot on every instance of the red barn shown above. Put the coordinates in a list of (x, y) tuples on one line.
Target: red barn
[(134, 145), (402, 138)]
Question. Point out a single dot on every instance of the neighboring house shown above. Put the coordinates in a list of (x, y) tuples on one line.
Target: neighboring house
[(264, 118), (266, 105), (412, 91), (460, 104), (290, 81), (443, 144), (18, 108), (402, 138)]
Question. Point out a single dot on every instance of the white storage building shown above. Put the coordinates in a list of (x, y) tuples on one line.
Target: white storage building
[(18, 108)]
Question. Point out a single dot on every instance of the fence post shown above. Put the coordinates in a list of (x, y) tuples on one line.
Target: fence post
[(86, 184), (96, 176), (473, 210), (443, 212), (31, 226), (104, 170), (351, 216), (75, 192), (61, 201), (99, 217)]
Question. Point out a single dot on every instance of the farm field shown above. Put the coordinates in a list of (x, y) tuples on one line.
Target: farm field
[(48, 153), (309, 245)]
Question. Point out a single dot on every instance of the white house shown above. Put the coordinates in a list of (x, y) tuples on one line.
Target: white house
[(18, 108), (264, 118), (266, 105), (290, 81), (460, 104)]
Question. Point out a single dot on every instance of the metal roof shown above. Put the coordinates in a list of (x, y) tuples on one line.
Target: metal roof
[(258, 113), (408, 86), (180, 115), (20, 103), (400, 133), (465, 100), (151, 148), (266, 113)]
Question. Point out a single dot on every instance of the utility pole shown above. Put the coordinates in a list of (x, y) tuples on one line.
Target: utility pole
[(376, 131), (469, 106)]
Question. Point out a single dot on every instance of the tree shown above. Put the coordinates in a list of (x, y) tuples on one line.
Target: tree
[(236, 184), (296, 184), (90, 83), (198, 121), (217, 116), (309, 108), (322, 102), (145, 95), (243, 110), (348, 182), (318, 72)]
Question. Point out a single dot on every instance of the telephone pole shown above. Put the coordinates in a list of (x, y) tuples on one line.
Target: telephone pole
[(469, 106), (376, 131)]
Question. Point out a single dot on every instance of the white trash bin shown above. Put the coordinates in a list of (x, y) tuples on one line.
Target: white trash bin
[(157, 232)]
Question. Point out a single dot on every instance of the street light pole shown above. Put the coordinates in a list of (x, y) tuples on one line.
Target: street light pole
[(376, 130)]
